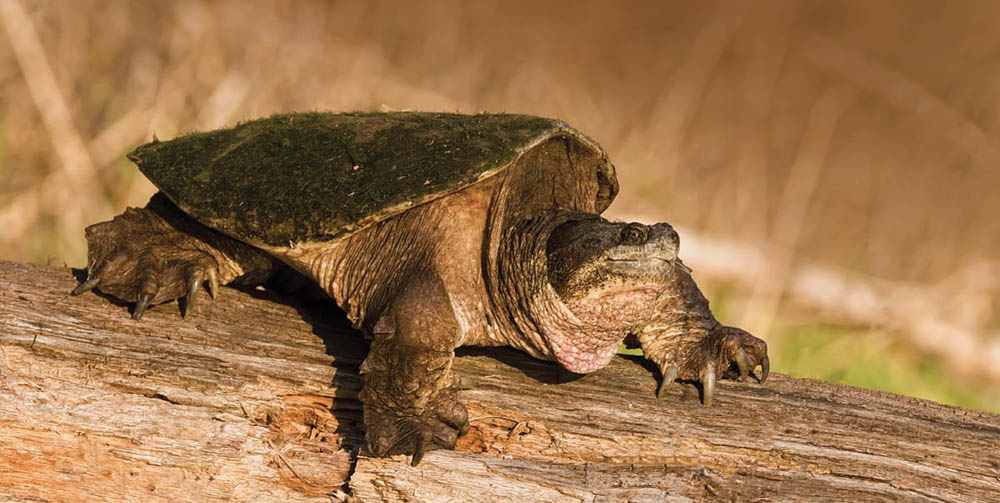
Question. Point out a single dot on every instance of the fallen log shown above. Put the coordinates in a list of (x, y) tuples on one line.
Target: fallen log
[(254, 398)]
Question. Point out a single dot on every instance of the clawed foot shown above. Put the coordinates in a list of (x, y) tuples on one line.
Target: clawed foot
[(727, 353), (440, 425), (138, 257)]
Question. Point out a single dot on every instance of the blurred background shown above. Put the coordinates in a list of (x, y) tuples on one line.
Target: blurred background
[(833, 167)]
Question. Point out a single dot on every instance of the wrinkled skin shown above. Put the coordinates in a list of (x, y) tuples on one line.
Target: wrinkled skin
[(564, 286), (628, 277)]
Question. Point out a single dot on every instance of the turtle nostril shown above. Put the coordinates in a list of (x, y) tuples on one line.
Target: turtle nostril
[(665, 232)]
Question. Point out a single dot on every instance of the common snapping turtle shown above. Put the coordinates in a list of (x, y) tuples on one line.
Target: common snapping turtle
[(432, 231)]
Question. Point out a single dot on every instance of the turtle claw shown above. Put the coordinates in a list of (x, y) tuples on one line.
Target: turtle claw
[(765, 369), (213, 283), (140, 306), (190, 301), (86, 286), (194, 284), (196, 277), (742, 363), (418, 452), (708, 385), (669, 376)]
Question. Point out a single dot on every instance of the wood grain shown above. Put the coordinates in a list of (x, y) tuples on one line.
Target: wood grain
[(254, 398)]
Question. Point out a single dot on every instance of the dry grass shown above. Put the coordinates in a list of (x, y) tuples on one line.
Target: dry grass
[(861, 135)]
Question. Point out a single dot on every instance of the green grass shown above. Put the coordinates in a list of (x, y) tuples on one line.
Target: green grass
[(859, 357), (622, 350)]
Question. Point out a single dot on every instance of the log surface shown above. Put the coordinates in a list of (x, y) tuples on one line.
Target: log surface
[(254, 398)]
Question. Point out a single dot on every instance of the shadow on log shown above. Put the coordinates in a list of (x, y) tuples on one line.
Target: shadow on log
[(255, 399)]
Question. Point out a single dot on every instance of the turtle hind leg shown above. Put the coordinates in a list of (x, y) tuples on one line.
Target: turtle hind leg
[(156, 254)]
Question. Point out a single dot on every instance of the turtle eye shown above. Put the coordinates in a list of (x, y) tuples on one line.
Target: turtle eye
[(633, 235)]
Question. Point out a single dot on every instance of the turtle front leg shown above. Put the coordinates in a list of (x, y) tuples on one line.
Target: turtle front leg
[(688, 344), (724, 353), (410, 402), (409, 392)]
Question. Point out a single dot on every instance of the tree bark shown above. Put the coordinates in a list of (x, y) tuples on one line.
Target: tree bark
[(254, 398)]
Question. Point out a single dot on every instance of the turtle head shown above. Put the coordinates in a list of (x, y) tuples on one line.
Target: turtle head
[(592, 260), (613, 277)]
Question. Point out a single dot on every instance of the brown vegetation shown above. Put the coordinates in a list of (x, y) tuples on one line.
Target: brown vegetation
[(859, 135)]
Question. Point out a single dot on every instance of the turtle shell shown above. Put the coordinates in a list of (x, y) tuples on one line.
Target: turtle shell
[(314, 177)]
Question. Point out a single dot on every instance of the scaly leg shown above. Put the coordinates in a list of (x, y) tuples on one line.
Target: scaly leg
[(156, 254), (687, 343), (409, 396)]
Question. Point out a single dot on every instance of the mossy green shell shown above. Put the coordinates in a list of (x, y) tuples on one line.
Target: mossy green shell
[(313, 177)]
